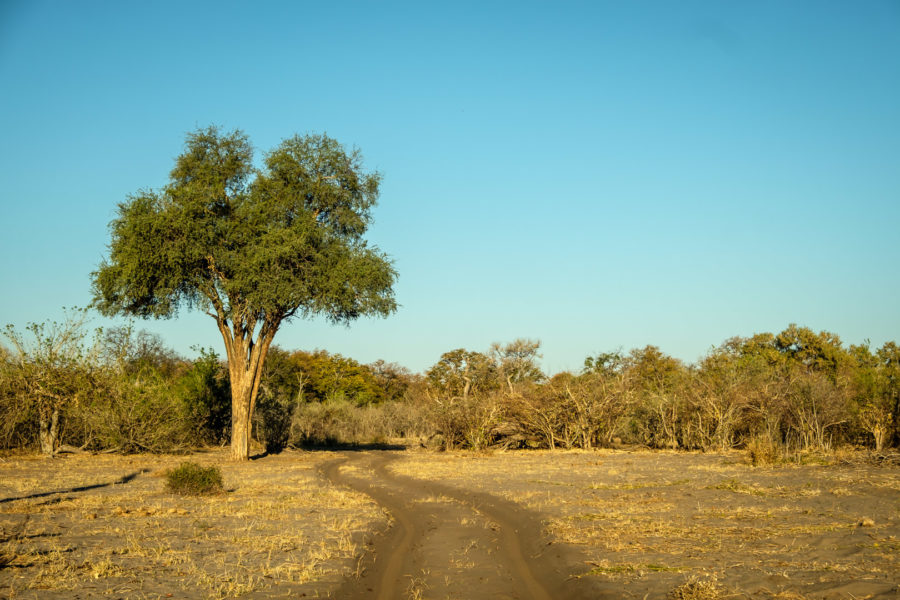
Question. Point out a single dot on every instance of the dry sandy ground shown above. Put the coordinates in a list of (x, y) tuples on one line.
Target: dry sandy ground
[(389, 524), (652, 524), (105, 527)]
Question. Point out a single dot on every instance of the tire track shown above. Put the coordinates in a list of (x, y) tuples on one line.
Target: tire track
[(451, 541), (380, 576)]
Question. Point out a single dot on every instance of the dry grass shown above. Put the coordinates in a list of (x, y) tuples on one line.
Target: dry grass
[(277, 529), (697, 589), (654, 524)]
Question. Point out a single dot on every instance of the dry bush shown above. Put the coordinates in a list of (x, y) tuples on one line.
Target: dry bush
[(817, 408), (18, 420), (697, 589), (466, 422), (135, 414), (763, 451)]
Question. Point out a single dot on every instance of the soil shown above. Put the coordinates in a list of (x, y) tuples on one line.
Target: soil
[(416, 525), (450, 542)]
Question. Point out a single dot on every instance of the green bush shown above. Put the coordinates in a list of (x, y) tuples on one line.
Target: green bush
[(190, 479)]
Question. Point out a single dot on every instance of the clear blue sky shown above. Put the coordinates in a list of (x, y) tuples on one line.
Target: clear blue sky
[(591, 174)]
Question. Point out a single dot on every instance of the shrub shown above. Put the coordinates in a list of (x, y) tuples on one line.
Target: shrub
[(190, 479), (762, 451), (135, 413)]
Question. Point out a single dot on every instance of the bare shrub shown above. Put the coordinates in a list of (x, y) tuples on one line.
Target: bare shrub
[(468, 422), (697, 589), (341, 422), (816, 408), (18, 420)]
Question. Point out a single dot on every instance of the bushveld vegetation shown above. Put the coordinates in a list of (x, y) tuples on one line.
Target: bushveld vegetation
[(774, 394)]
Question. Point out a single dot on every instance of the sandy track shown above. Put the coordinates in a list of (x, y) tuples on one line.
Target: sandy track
[(449, 542)]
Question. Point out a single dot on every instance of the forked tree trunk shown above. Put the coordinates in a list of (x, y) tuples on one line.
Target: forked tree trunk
[(49, 431), (241, 402), (245, 365)]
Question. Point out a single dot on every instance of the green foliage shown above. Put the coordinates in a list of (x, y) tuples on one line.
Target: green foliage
[(605, 362), (821, 352), (148, 399), (293, 381), (243, 244), (203, 389), (191, 479), (319, 376), (460, 372)]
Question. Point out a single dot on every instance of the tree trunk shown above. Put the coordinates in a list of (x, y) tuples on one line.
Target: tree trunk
[(49, 431), (245, 365), (241, 392)]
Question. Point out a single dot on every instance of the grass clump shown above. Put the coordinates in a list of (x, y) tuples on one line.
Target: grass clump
[(733, 485), (696, 589), (191, 479)]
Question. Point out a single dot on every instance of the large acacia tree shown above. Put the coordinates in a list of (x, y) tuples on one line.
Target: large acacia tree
[(252, 248)]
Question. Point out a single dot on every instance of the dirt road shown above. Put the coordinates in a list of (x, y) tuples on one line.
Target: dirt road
[(448, 542)]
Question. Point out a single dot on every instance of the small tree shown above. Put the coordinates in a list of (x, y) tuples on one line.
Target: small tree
[(460, 372), (50, 369), (251, 248), (517, 361)]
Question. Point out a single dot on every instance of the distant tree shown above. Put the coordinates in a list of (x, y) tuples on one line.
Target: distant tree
[(607, 363), (820, 352), (658, 380), (883, 413), (335, 377), (461, 372), (132, 351), (251, 248), (517, 361), (392, 378)]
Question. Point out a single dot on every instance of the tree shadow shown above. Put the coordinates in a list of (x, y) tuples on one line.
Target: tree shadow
[(347, 447), (82, 488)]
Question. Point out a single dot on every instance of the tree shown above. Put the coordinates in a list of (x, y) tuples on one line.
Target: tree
[(658, 380), (50, 370), (517, 361), (461, 372), (252, 248)]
